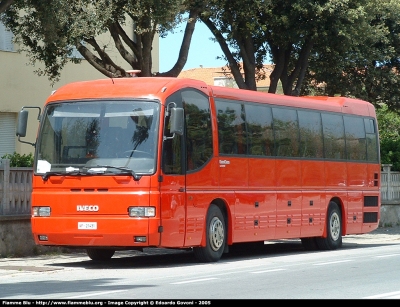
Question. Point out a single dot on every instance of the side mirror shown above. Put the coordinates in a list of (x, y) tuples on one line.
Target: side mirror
[(176, 121), (22, 123)]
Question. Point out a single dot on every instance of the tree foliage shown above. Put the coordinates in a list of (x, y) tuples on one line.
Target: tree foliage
[(18, 160), (50, 30), (324, 47), (389, 135), (4, 5), (366, 63)]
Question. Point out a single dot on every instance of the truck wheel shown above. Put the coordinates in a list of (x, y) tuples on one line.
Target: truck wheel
[(99, 254), (333, 239), (215, 237)]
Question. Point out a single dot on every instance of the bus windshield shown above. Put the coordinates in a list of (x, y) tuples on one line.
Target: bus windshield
[(104, 137)]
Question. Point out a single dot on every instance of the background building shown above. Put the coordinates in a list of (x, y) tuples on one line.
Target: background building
[(217, 76)]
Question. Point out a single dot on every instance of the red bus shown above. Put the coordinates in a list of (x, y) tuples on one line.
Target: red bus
[(124, 164)]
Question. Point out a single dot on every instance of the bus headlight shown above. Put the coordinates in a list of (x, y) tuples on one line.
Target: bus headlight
[(142, 211), (41, 211)]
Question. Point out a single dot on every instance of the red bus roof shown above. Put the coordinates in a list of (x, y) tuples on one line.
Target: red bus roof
[(334, 104), (144, 87), (159, 87)]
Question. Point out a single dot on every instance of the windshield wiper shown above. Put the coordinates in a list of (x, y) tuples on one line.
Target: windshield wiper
[(101, 169), (68, 171)]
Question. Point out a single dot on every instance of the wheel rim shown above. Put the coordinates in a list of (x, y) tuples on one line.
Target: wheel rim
[(216, 233), (335, 226)]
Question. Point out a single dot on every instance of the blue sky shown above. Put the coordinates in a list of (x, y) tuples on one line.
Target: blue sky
[(202, 50)]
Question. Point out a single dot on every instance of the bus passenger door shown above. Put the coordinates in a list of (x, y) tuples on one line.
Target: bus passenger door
[(172, 185)]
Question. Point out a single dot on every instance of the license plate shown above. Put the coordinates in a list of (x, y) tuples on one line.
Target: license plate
[(87, 225)]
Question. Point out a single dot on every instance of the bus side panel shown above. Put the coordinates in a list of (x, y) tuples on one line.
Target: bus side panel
[(262, 178), (255, 216), (312, 175), (354, 216), (246, 222), (357, 173), (262, 173), (233, 173), (312, 208), (312, 214), (200, 191), (172, 211), (358, 180), (233, 179), (372, 209), (336, 175), (288, 202)]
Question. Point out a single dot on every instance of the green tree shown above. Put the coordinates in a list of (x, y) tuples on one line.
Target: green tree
[(50, 30), (291, 32), (367, 70), (389, 135), (5, 4)]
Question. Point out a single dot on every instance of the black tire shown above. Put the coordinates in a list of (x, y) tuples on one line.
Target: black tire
[(309, 244), (99, 254), (215, 237), (333, 239)]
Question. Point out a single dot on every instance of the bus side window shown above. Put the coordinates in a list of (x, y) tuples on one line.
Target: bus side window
[(259, 130), (311, 142), (286, 132), (334, 142), (356, 146), (232, 137), (198, 128), (372, 140), (172, 155)]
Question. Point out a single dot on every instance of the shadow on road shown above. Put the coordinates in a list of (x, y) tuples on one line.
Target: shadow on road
[(164, 258)]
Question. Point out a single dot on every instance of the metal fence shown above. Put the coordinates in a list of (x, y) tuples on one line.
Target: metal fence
[(390, 185), (16, 188)]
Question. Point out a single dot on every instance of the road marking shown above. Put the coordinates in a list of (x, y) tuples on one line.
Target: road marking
[(97, 293), (267, 271), (388, 295), (332, 262), (191, 281), (385, 256)]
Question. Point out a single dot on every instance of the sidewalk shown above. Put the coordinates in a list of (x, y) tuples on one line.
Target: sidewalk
[(382, 235)]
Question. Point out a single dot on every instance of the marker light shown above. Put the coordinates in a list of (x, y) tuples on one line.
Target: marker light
[(41, 211), (142, 211)]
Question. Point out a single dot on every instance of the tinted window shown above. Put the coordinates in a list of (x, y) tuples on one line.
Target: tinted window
[(311, 143), (286, 132), (198, 128), (231, 127), (259, 126), (355, 138), (372, 140), (333, 130), (172, 147)]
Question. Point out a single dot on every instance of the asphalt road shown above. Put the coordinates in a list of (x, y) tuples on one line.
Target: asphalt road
[(366, 267)]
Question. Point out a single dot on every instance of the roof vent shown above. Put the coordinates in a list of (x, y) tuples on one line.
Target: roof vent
[(133, 73)]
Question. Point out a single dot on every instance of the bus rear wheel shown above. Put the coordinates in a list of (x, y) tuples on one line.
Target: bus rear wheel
[(215, 237), (99, 254), (333, 239)]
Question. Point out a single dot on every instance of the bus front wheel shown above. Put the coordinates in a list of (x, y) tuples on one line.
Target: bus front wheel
[(99, 254), (215, 237), (333, 239)]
